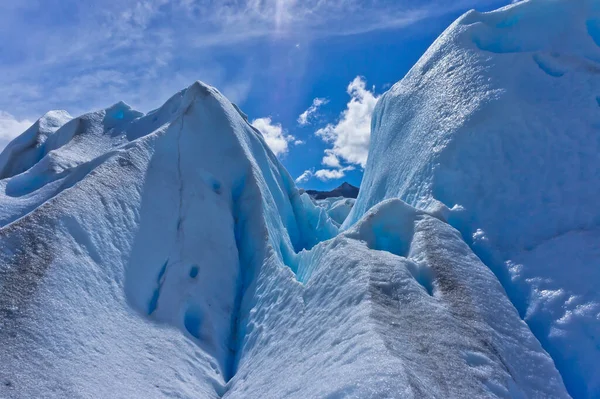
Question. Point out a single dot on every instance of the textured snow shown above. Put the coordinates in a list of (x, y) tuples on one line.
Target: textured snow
[(497, 127), (397, 306)]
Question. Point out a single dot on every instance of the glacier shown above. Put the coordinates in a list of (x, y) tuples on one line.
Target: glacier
[(170, 254)]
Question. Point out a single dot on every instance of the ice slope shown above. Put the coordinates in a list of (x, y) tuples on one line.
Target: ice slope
[(498, 128), (170, 255), (128, 245)]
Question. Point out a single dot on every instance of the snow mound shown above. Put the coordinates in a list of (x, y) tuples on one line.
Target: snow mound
[(496, 129), (28, 148)]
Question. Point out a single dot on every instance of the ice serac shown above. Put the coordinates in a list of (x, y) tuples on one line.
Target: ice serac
[(338, 208), (29, 147), (497, 128), (130, 244)]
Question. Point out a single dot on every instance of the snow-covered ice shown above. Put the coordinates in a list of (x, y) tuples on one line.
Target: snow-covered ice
[(397, 306), (171, 255), (338, 208), (121, 270), (498, 127)]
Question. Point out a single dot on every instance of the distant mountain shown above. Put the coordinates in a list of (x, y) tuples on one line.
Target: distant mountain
[(345, 190)]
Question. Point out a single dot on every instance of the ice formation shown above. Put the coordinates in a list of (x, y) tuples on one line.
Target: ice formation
[(338, 208), (120, 231), (498, 127), (171, 255)]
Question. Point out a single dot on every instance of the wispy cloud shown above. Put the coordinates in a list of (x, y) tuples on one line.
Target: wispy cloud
[(81, 55), (350, 135), (101, 53), (306, 116)]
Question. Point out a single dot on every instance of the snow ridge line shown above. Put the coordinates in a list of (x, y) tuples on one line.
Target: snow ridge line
[(180, 176)]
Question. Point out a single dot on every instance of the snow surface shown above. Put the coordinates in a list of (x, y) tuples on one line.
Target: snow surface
[(497, 127), (171, 255)]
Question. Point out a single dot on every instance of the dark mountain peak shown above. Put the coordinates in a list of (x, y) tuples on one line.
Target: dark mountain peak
[(344, 190)]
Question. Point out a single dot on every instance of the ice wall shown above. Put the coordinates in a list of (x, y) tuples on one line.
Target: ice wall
[(497, 127)]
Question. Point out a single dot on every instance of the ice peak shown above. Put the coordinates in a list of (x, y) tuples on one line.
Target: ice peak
[(119, 113), (57, 115), (198, 90), (565, 27)]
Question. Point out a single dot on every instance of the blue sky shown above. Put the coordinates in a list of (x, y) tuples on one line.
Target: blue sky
[(274, 58)]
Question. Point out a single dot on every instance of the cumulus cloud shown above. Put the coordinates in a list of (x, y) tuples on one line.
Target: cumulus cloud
[(274, 135), (11, 127), (304, 118), (350, 135), (305, 176), (323, 174), (331, 160), (332, 174)]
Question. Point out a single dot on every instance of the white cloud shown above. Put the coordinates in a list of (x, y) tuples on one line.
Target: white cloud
[(305, 176), (323, 174), (304, 117), (299, 142), (274, 135), (11, 127), (331, 160), (332, 174), (350, 136)]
